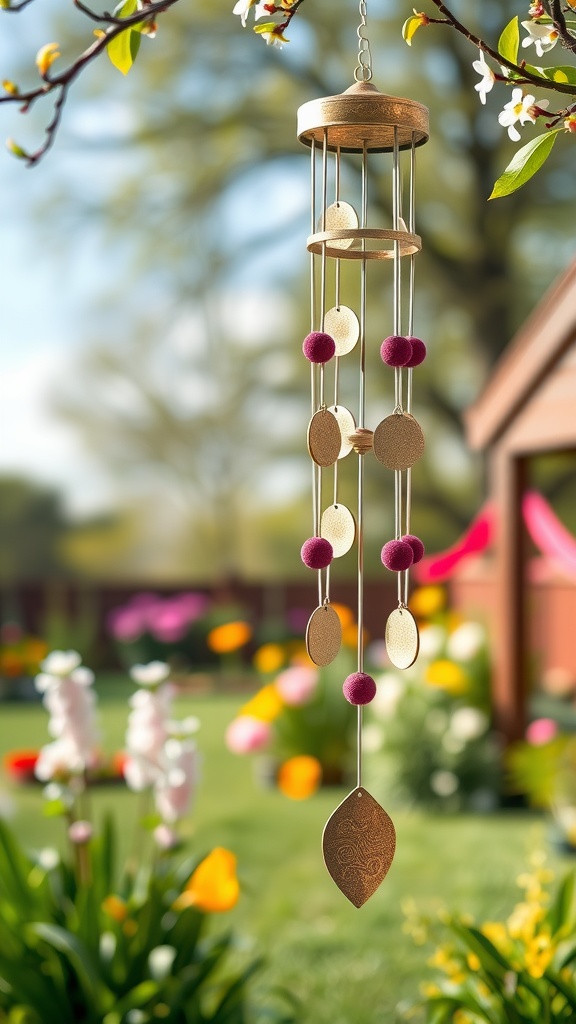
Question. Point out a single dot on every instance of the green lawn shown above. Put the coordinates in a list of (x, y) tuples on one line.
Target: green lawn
[(347, 966)]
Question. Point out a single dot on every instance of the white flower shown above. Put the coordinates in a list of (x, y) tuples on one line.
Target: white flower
[(486, 83), (153, 674), (389, 689), (160, 960), (274, 37), (61, 663), (432, 641), (468, 724), (175, 788), (48, 858), (443, 783), (184, 727), (242, 8), (544, 37), (520, 108), (465, 642)]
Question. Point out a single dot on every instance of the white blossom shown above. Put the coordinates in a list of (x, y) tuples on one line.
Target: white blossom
[(520, 108), (60, 663), (466, 641), (153, 674), (486, 83), (443, 783), (544, 37), (176, 785), (70, 701), (242, 8), (468, 724)]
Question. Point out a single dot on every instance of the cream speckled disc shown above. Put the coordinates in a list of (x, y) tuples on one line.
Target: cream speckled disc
[(341, 323), (402, 639), (347, 425), (323, 635), (398, 441), (339, 527), (324, 438), (340, 215)]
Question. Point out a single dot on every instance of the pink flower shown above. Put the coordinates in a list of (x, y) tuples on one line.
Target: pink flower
[(126, 624), (165, 837), (168, 622), (297, 685), (80, 832), (246, 734), (541, 731)]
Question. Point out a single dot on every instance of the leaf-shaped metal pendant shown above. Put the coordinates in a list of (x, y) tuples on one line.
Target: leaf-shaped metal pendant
[(358, 843)]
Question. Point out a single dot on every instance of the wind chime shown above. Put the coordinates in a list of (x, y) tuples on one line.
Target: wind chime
[(371, 129)]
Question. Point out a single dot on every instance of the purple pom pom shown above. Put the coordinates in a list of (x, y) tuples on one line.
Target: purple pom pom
[(397, 555), (416, 545), (396, 350), (418, 353), (317, 553), (318, 347), (359, 688)]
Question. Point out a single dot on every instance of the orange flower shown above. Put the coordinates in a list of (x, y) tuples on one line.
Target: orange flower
[(266, 705), (229, 637), (350, 635), (213, 887), (11, 664), (345, 614), (269, 658), (115, 908), (299, 777)]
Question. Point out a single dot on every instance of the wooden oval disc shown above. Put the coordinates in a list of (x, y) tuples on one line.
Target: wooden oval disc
[(358, 843), (323, 635), (402, 638), (342, 324), (340, 215), (324, 438), (398, 441), (339, 527), (347, 425)]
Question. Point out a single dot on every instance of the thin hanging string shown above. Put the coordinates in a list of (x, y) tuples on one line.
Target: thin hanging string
[(363, 69), (396, 213), (412, 229), (361, 418), (337, 304), (313, 387), (323, 598)]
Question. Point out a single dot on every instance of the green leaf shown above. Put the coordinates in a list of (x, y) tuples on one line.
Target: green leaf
[(524, 165), (123, 49), (77, 955), (562, 73), (509, 41), (16, 150), (560, 914)]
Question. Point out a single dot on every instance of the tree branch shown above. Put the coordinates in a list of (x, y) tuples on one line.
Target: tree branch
[(60, 83), (559, 22), (528, 76)]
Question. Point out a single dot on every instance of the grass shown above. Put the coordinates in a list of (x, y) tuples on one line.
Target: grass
[(346, 966)]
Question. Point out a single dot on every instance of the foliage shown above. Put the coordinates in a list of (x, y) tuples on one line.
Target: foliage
[(299, 718), (516, 971), (86, 938), (543, 768), (431, 723)]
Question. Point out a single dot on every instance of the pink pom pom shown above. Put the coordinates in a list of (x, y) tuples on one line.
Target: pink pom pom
[(359, 688), (397, 555), (418, 353), (396, 350), (318, 347), (317, 553), (416, 545)]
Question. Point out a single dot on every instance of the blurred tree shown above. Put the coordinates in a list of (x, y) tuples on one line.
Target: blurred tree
[(217, 199), (32, 527)]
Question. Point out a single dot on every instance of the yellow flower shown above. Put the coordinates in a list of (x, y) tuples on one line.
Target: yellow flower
[(229, 637), (539, 953), (350, 635), (115, 908), (299, 777), (429, 990), (473, 962), (447, 675), (496, 932), (269, 658), (46, 56), (523, 921), (213, 887), (266, 705), (461, 1017), (427, 601)]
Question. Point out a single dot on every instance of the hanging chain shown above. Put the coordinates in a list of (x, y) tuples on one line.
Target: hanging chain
[(363, 69)]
